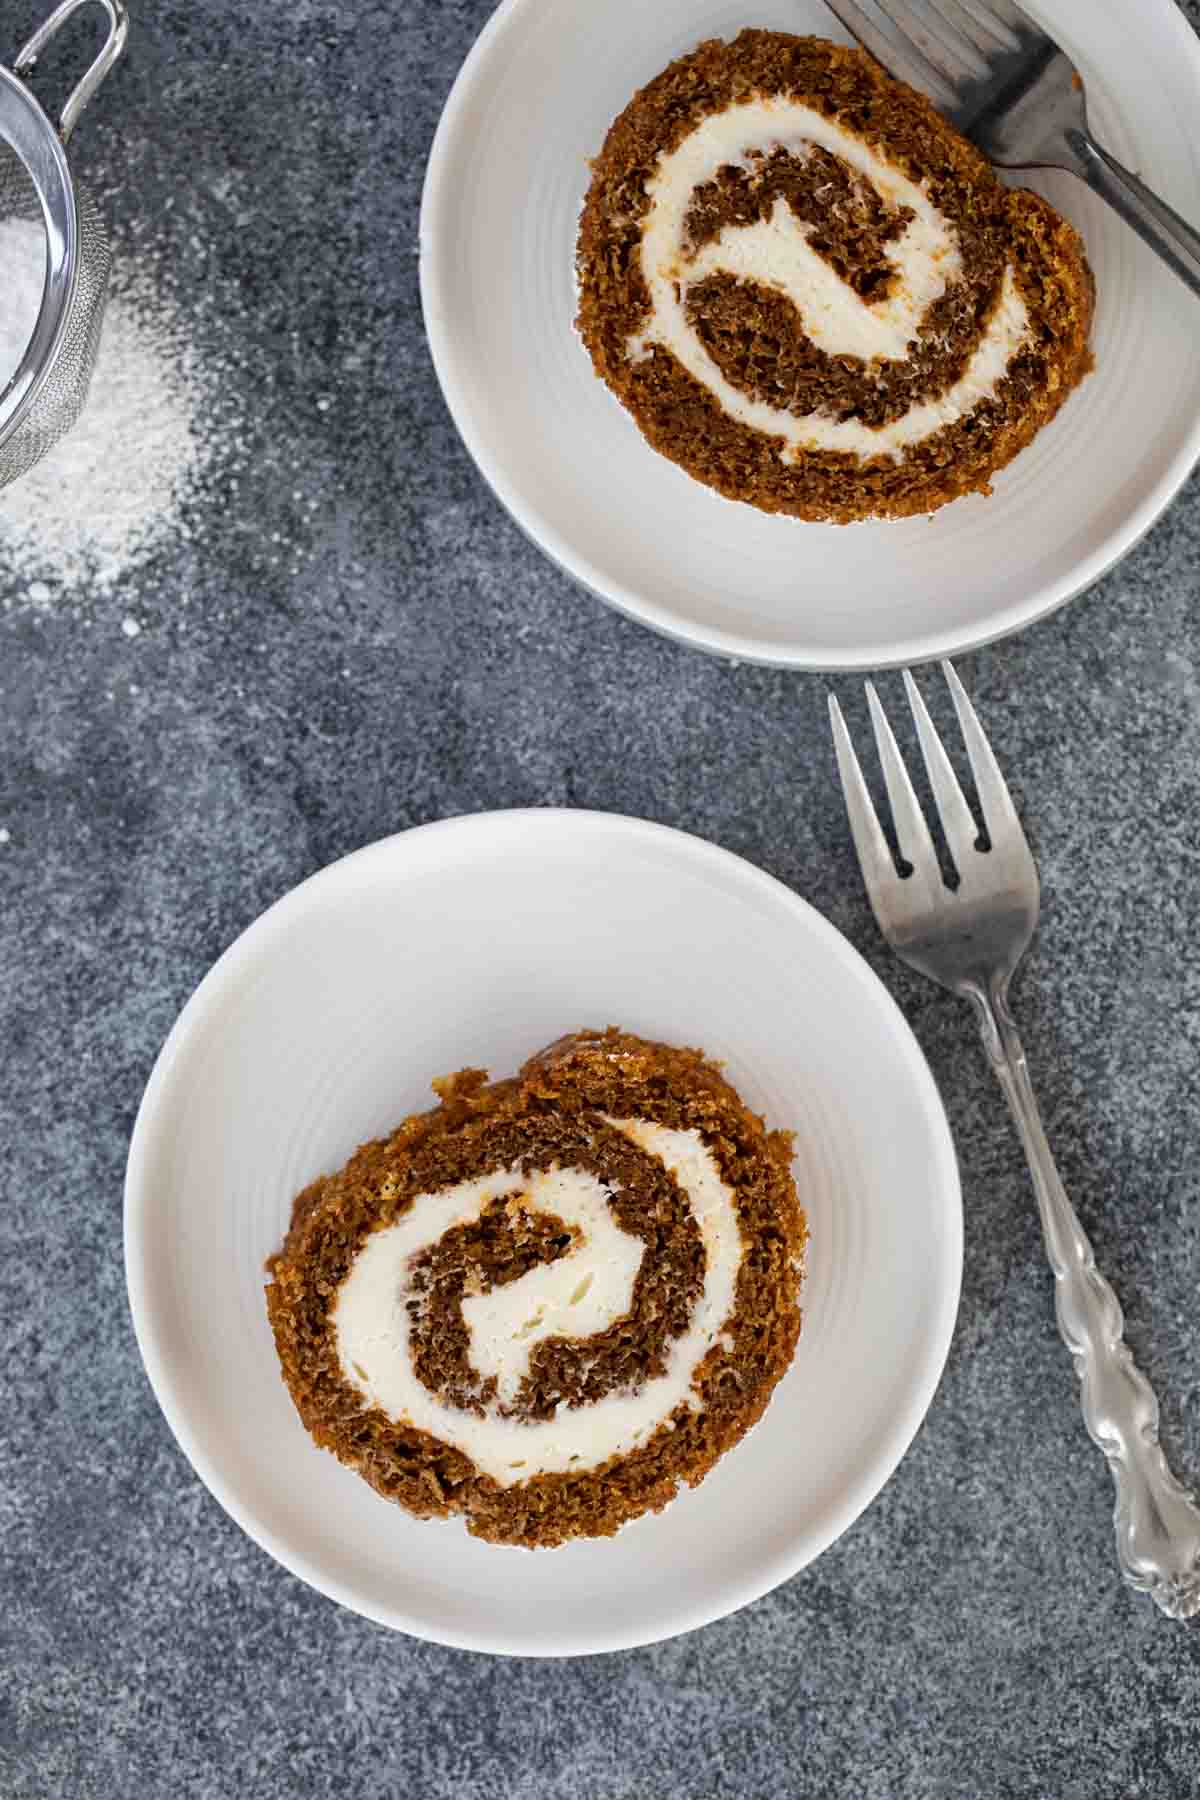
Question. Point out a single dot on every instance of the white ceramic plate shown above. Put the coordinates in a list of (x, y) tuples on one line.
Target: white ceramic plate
[(505, 184), (478, 941)]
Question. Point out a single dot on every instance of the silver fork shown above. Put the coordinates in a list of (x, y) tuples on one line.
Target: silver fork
[(970, 940), (1008, 87)]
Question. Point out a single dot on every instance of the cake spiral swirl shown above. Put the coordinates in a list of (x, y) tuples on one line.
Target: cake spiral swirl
[(551, 1300), (812, 294)]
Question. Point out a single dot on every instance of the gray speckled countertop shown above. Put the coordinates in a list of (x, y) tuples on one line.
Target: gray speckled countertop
[(968, 1636)]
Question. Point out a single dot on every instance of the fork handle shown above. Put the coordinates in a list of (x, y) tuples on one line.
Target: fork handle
[(1177, 242), (1157, 1521)]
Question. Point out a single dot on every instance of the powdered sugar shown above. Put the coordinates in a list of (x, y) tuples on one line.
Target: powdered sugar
[(22, 279), (111, 493)]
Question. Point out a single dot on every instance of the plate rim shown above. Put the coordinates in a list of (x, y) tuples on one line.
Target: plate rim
[(138, 1209), (715, 640)]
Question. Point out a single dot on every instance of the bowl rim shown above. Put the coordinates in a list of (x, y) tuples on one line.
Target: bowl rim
[(269, 927), (713, 640)]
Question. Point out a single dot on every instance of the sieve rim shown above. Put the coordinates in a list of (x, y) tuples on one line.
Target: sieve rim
[(31, 137)]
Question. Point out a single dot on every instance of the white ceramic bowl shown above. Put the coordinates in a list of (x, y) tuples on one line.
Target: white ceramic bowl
[(504, 187), (478, 941)]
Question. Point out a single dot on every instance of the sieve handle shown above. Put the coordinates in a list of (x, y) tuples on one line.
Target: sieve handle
[(114, 44)]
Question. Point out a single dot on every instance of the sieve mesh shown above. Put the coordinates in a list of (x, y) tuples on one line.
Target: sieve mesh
[(58, 401)]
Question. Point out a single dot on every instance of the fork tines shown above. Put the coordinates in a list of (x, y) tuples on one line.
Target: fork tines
[(959, 826), (899, 54), (943, 47)]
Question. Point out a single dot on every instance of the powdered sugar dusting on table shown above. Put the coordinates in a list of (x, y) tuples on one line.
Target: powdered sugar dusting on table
[(113, 492)]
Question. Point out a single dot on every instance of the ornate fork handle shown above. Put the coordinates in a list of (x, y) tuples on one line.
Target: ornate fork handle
[(1157, 1521)]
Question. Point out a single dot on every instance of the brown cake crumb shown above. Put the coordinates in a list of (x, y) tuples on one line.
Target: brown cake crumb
[(755, 335), (553, 1113)]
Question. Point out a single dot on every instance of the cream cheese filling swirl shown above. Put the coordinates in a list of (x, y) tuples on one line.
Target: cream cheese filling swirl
[(576, 1296), (775, 252)]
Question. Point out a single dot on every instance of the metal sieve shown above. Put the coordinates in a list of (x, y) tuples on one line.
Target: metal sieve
[(46, 394)]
